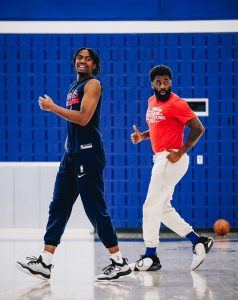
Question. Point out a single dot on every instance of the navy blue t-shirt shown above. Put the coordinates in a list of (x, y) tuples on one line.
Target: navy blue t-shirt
[(80, 137)]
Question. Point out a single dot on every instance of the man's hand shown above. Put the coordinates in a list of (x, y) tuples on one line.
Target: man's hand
[(136, 136), (173, 156), (46, 103)]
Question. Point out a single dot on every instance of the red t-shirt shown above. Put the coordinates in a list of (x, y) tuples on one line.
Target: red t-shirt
[(166, 121)]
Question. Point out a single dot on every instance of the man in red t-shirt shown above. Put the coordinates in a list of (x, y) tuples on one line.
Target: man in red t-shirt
[(167, 115)]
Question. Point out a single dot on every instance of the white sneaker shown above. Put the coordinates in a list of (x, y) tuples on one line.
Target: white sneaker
[(114, 271), (200, 250), (35, 267), (146, 263)]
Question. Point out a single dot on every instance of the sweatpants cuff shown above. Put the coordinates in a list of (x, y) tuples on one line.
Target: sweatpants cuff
[(151, 245), (50, 243), (110, 245)]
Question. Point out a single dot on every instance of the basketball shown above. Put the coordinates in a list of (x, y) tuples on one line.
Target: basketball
[(221, 227)]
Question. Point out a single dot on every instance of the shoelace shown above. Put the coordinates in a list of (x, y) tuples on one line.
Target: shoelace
[(140, 261), (107, 270), (35, 260)]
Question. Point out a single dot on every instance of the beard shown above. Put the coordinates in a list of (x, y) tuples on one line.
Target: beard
[(164, 97)]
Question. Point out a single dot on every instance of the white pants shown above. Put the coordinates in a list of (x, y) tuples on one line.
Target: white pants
[(157, 207)]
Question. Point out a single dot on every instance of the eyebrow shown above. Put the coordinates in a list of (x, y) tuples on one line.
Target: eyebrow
[(84, 55), (162, 79)]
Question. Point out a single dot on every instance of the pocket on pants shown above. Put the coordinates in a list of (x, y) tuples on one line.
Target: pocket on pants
[(174, 172)]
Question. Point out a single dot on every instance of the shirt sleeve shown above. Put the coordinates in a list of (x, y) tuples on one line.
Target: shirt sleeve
[(182, 111)]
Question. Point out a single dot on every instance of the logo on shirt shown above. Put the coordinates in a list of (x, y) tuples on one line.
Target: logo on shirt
[(72, 98), (79, 176), (86, 146), (154, 115)]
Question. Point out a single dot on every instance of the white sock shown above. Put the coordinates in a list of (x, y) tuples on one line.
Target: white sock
[(47, 257), (117, 257)]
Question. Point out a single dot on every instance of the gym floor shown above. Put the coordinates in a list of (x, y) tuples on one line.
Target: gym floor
[(80, 257)]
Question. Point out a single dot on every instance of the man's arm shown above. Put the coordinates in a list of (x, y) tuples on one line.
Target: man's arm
[(196, 131), (92, 92), (137, 136)]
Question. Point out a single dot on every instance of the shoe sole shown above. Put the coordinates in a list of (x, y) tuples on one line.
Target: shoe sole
[(212, 241), (29, 272), (151, 269), (115, 277)]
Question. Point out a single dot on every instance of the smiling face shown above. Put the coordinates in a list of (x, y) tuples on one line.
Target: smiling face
[(84, 64)]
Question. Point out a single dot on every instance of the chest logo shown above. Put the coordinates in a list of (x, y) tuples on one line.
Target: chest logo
[(72, 98), (154, 115)]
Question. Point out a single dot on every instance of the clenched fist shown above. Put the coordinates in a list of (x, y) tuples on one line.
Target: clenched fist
[(46, 103)]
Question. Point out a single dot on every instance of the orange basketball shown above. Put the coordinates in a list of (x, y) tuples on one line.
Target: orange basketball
[(221, 227)]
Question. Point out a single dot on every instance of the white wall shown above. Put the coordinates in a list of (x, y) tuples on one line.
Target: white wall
[(25, 194)]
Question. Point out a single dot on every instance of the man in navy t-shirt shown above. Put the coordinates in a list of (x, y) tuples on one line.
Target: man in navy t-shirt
[(80, 171)]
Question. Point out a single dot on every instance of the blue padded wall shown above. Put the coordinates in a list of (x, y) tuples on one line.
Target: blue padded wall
[(204, 65), (118, 10)]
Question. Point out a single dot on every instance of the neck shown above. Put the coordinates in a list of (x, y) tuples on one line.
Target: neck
[(81, 76)]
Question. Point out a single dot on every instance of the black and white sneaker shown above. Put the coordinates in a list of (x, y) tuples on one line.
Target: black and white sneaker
[(146, 263), (200, 250), (35, 267), (114, 271)]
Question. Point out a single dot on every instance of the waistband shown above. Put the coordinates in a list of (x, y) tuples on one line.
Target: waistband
[(161, 152)]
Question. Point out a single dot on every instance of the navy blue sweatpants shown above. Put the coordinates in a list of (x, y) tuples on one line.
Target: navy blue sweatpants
[(80, 173)]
